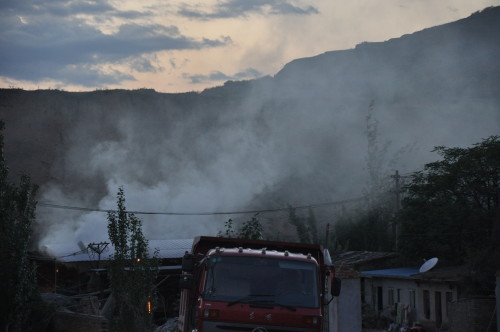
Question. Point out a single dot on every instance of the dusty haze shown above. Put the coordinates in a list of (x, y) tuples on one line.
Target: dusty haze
[(296, 138)]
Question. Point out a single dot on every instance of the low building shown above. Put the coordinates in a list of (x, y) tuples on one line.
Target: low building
[(432, 299)]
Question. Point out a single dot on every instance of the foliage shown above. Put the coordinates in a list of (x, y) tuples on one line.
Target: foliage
[(311, 223), (369, 316), (19, 292), (132, 271), (228, 229), (307, 230), (251, 229), (367, 229), (303, 232), (370, 226), (375, 159), (453, 207)]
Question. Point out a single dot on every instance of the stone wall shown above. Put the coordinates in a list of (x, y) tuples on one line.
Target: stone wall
[(473, 315), (497, 294)]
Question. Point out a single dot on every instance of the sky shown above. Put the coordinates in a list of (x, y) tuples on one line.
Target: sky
[(183, 46)]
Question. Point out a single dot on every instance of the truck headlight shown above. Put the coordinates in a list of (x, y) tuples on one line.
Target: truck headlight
[(210, 313), (311, 320)]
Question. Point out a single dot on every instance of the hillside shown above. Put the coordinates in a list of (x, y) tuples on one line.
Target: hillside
[(297, 138)]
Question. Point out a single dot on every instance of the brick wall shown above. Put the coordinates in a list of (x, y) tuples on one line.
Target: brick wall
[(473, 315)]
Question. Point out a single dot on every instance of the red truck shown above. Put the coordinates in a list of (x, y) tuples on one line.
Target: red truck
[(244, 285)]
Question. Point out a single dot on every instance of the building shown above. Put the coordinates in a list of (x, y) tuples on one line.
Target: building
[(346, 308), (75, 279), (432, 299)]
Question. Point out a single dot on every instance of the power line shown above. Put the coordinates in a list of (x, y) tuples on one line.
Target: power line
[(46, 258), (86, 209)]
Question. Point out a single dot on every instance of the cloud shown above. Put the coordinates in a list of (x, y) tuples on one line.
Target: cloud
[(145, 64), (90, 77), (243, 8), (64, 8), (51, 43), (217, 76)]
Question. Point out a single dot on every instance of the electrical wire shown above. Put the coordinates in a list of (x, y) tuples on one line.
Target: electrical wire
[(86, 209)]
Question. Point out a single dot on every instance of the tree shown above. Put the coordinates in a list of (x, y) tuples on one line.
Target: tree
[(251, 229), (132, 271), (364, 229), (452, 208), (307, 230), (376, 155), (228, 229), (368, 227), (17, 273), (312, 226), (300, 226)]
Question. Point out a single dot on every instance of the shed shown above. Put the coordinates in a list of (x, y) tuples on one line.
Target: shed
[(80, 272)]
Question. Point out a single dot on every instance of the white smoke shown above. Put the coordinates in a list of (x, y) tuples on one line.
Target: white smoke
[(299, 138)]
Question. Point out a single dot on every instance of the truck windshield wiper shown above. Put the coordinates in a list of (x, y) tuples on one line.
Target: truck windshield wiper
[(286, 306), (248, 299), (273, 303), (251, 299)]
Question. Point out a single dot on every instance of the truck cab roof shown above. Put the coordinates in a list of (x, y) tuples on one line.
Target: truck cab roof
[(203, 244), (261, 252)]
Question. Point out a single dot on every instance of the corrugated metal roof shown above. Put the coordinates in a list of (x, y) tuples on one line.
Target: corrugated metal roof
[(354, 258), (403, 272), (446, 273), (174, 248)]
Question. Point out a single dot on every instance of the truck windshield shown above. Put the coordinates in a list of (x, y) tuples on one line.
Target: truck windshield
[(265, 281)]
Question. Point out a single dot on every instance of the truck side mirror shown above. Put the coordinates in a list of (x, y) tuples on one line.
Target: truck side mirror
[(188, 262), (186, 281), (335, 287)]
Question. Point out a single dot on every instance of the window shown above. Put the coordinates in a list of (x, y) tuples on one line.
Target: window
[(390, 296), (438, 309), (413, 301), (449, 299), (427, 305), (398, 295), (380, 299)]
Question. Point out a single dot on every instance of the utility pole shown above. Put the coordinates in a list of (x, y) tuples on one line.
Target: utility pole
[(395, 228), (327, 235), (98, 248), (55, 275), (397, 179)]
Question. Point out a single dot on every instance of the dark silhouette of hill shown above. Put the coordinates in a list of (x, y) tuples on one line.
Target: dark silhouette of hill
[(461, 54), (296, 138)]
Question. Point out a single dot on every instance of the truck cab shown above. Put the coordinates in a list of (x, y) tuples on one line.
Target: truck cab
[(249, 287)]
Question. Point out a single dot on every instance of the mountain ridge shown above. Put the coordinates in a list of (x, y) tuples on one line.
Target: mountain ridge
[(481, 23), (300, 137)]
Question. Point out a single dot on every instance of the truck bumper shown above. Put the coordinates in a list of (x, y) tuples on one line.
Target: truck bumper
[(239, 327)]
